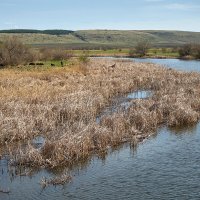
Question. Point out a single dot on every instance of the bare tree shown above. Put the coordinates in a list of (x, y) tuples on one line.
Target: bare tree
[(14, 52), (185, 50), (196, 51), (142, 48)]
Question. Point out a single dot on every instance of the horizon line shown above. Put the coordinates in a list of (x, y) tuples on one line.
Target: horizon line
[(98, 29)]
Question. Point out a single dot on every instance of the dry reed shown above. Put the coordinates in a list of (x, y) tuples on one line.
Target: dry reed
[(61, 105)]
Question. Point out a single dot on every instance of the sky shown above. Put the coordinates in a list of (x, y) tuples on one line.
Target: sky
[(100, 14)]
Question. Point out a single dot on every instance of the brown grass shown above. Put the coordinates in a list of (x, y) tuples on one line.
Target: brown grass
[(62, 104)]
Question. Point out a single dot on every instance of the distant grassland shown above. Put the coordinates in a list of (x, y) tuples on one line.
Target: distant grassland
[(95, 39)]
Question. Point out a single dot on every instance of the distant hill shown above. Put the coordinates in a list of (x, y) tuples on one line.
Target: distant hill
[(101, 38)]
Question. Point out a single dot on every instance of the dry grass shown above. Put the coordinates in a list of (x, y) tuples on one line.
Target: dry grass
[(62, 105)]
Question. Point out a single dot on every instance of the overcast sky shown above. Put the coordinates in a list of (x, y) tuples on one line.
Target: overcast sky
[(101, 14)]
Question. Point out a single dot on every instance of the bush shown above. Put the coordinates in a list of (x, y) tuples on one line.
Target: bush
[(55, 54), (84, 58), (13, 52), (141, 48), (185, 50), (45, 54), (131, 53), (196, 51)]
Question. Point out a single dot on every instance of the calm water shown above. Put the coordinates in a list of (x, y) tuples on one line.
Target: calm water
[(123, 103), (186, 65), (166, 166)]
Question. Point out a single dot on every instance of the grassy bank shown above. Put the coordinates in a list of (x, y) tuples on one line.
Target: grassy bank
[(152, 53), (61, 104)]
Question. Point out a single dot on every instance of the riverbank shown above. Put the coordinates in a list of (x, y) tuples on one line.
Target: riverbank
[(61, 106), (164, 53), (152, 53)]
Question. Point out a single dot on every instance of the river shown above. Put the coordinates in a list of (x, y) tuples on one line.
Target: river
[(184, 65), (166, 166)]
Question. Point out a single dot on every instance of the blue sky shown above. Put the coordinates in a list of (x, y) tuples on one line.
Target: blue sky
[(101, 14)]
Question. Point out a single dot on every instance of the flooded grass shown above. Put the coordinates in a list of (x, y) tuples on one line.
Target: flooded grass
[(61, 117)]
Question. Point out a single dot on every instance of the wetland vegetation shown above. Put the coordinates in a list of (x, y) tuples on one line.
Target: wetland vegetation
[(61, 104), (65, 110)]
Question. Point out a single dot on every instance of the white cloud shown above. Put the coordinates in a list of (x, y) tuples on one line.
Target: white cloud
[(10, 25), (7, 4), (179, 6)]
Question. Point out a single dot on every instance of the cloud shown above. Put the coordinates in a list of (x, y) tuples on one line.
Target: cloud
[(175, 6), (179, 6), (10, 25), (6, 4)]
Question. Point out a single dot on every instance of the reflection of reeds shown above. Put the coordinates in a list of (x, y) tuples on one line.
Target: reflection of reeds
[(59, 180), (62, 105)]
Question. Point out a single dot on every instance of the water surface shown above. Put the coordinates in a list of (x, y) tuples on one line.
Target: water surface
[(184, 65), (166, 166)]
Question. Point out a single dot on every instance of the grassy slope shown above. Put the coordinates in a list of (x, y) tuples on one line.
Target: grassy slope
[(112, 38), (129, 38)]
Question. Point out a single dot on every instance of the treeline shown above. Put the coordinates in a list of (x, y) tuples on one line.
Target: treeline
[(187, 51), (50, 32)]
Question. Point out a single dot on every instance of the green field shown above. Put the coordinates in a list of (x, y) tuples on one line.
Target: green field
[(153, 52), (101, 39)]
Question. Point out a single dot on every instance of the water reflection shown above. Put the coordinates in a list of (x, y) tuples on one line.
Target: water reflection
[(163, 167), (183, 129)]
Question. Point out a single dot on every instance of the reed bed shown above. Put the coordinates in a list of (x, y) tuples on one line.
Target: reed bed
[(61, 105)]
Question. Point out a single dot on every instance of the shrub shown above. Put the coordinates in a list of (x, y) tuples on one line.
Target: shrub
[(84, 58), (141, 48), (185, 50), (14, 52), (132, 53), (55, 54), (45, 54), (196, 51)]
